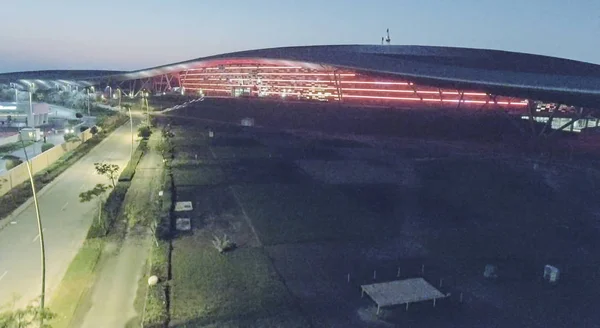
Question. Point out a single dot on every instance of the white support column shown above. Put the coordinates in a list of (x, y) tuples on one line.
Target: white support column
[(30, 116)]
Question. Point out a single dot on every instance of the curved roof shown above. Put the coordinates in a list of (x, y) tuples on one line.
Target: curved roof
[(498, 72)]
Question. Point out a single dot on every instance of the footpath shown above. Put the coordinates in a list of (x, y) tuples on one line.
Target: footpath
[(122, 265)]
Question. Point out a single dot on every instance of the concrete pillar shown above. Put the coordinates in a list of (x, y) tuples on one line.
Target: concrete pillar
[(30, 122)]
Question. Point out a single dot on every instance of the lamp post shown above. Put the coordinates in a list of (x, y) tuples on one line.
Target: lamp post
[(131, 128), (120, 93), (30, 116), (145, 95), (40, 232)]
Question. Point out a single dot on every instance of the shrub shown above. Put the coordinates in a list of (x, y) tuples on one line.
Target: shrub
[(78, 115), (144, 132), (110, 211), (46, 146), (71, 137), (94, 130), (223, 244), (129, 170), (83, 128), (11, 161)]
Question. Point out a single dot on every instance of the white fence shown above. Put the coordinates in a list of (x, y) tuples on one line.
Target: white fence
[(17, 175)]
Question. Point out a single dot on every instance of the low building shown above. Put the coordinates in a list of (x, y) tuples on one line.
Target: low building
[(17, 114)]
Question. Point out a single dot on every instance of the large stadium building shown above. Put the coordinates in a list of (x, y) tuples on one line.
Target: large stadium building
[(395, 76)]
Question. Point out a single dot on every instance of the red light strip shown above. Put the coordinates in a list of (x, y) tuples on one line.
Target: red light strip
[(475, 101), (249, 67), (375, 82), (258, 85), (282, 80), (435, 100), (208, 89), (271, 73), (376, 90), (381, 98)]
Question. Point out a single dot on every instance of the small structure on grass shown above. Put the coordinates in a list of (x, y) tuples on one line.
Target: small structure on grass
[(183, 206), (247, 121), (399, 292), (183, 224), (551, 274), (491, 271)]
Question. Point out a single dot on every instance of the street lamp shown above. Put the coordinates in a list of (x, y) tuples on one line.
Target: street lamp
[(131, 128), (88, 101), (145, 95), (120, 93), (40, 231), (30, 116)]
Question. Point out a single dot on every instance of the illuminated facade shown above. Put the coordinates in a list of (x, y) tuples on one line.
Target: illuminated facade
[(304, 82), (397, 76)]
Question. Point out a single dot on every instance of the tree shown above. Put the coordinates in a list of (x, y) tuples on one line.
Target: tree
[(110, 171), (96, 193), (31, 316)]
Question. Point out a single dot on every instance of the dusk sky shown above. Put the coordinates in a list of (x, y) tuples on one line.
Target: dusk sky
[(135, 34)]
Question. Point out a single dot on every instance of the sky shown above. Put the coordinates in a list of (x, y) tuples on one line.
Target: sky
[(136, 34)]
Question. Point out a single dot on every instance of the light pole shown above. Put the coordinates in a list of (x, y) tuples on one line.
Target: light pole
[(145, 95), (30, 117), (120, 93), (40, 232), (131, 128)]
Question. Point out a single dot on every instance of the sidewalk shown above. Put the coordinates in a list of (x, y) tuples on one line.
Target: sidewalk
[(123, 262)]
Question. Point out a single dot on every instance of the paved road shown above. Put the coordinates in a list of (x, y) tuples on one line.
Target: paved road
[(113, 296), (66, 222), (35, 149)]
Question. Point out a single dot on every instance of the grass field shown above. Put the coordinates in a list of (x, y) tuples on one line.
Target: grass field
[(457, 215), (291, 213), (213, 287)]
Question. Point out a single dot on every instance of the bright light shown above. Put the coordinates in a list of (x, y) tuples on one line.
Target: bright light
[(377, 82), (382, 98)]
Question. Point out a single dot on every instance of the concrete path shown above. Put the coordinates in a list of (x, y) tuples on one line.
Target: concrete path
[(66, 222), (122, 266), (114, 292)]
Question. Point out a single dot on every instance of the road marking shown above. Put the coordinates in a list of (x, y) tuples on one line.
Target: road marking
[(38, 236), (64, 206), (4, 274), (213, 153)]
